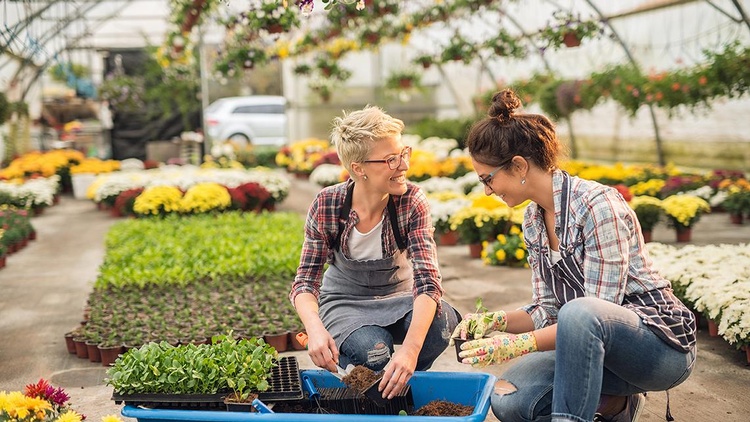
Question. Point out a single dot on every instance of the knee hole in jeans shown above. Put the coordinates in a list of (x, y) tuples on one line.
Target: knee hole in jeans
[(378, 355), (503, 387)]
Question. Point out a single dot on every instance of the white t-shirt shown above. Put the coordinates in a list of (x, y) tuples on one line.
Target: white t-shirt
[(366, 246), (554, 256)]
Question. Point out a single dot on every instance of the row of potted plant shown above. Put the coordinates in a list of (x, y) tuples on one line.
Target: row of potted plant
[(246, 272), (43, 164), (701, 277), (34, 194), (15, 231), (189, 190)]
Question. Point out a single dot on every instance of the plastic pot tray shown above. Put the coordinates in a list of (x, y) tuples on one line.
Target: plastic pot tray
[(466, 388), (284, 384)]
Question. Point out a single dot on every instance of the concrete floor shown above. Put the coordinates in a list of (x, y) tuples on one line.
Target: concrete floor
[(45, 287)]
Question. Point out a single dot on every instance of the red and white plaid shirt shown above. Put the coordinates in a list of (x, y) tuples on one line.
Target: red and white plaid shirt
[(414, 221)]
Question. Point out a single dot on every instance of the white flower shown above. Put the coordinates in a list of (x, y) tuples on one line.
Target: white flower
[(441, 184), (442, 210), (441, 147), (716, 279), (326, 174), (33, 192)]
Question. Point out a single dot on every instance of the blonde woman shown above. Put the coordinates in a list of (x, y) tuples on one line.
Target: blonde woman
[(382, 286)]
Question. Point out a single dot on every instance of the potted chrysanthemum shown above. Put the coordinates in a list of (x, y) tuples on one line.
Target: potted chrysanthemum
[(682, 212), (649, 210)]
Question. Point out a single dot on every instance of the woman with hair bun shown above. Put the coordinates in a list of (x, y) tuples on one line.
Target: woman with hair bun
[(603, 326), (382, 285)]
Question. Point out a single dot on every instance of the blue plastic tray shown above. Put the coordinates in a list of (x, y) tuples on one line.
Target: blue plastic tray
[(466, 388)]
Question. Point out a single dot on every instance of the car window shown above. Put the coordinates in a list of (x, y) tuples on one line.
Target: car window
[(261, 108)]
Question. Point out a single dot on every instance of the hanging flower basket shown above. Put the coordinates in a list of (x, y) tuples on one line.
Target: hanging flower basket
[(570, 39)]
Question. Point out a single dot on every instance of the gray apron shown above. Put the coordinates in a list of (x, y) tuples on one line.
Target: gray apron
[(358, 293)]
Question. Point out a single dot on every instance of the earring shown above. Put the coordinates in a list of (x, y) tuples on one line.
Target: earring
[(364, 177), (523, 181)]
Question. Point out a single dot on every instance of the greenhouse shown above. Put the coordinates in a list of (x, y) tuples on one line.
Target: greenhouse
[(167, 171)]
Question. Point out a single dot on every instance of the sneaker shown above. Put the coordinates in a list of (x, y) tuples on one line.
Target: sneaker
[(631, 412)]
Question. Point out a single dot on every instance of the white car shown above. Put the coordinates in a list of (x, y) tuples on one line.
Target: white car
[(256, 120)]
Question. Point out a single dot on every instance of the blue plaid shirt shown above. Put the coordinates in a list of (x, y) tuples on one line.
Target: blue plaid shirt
[(603, 233)]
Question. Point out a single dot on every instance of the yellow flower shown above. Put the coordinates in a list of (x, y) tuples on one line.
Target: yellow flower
[(684, 210), (69, 416), (158, 199), (501, 238), (520, 254), (500, 254), (205, 197), (515, 230), (19, 407), (651, 187), (111, 418)]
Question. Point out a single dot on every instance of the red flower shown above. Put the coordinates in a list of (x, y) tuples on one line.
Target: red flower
[(45, 391), (125, 200), (239, 202), (624, 191)]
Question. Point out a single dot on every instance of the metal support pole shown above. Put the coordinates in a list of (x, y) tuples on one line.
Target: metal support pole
[(202, 56)]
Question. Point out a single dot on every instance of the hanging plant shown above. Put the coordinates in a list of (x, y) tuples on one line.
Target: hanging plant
[(569, 30), (303, 69), (505, 45), (459, 49), (329, 68), (425, 61), (323, 87), (403, 79)]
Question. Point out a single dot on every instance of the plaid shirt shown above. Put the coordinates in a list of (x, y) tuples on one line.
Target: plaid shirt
[(321, 228), (603, 233)]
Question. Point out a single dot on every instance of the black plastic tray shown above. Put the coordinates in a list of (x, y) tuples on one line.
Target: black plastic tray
[(348, 401), (284, 382)]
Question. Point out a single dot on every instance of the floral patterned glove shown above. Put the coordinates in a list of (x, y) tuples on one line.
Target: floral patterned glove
[(480, 324), (498, 349)]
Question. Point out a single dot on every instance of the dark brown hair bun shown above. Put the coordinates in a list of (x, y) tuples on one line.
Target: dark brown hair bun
[(504, 105)]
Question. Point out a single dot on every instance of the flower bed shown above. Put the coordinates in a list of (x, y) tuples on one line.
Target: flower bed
[(195, 277), (703, 279), (187, 189)]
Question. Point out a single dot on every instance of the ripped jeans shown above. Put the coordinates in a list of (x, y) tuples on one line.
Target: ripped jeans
[(372, 346), (602, 348)]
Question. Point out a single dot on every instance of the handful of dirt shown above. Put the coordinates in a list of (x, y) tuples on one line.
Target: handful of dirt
[(359, 378)]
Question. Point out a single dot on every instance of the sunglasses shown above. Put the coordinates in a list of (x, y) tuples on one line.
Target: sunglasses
[(395, 160)]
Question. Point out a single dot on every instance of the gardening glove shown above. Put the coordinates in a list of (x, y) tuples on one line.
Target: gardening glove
[(480, 324), (497, 349)]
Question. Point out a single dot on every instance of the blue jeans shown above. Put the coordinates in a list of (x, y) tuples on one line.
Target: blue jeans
[(601, 348), (372, 346)]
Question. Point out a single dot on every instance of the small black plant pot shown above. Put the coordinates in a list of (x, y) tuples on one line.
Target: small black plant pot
[(239, 407), (458, 342)]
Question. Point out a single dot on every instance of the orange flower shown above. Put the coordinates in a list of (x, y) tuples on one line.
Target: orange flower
[(676, 86), (702, 80)]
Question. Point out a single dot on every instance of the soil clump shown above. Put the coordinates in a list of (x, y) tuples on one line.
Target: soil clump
[(443, 408)]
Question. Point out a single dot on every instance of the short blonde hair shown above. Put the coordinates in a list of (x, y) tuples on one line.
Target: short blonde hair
[(355, 133)]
